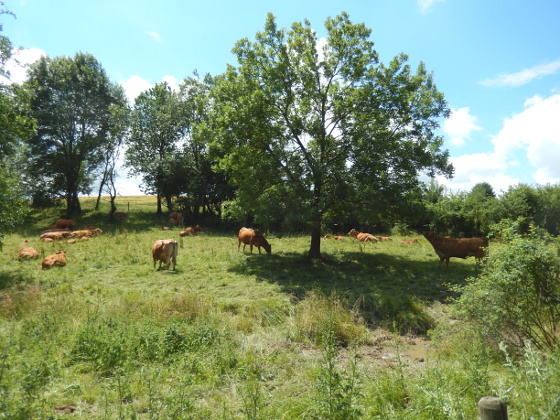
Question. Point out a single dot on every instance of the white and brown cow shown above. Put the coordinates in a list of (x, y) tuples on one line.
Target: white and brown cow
[(165, 251)]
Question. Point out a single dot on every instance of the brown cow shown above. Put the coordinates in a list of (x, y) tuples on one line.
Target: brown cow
[(252, 238), (55, 260), (27, 253), (447, 247), (176, 218), (165, 251), (65, 224), (191, 230), (55, 236), (85, 232), (362, 237)]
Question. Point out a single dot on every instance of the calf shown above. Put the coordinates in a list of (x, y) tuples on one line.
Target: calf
[(165, 251), (252, 238), (191, 230), (55, 260), (27, 253), (362, 237), (447, 247)]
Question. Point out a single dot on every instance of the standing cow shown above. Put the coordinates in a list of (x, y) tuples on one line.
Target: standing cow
[(251, 237), (447, 247), (165, 251), (176, 218)]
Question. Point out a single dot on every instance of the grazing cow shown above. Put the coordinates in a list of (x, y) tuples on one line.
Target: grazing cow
[(55, 236), (165, 251), (191, 230), (362, 237), (27, 253), (447, 247), (55, 260), (65, 224), (176, 218), (409, 241), (252, 238)]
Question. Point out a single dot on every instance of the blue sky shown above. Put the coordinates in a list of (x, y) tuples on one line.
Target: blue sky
[(496, 61)]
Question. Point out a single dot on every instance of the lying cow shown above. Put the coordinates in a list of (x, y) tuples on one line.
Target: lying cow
[(55, 260), (85, 232), (54, 236), (165, 251), (362, 237), (252, 238), (65, 224), (409, 241), (191, 230), (447, 247), (27, 254), (176, 218)]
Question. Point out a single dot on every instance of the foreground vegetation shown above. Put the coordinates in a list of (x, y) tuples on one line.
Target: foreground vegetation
[(367, 331)]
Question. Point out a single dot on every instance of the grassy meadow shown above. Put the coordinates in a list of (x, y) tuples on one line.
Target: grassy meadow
[(365, 332)]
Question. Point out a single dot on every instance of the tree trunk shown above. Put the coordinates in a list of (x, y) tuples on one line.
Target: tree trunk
[(158, 211), (73, 207), (315, 249), (99, 195)]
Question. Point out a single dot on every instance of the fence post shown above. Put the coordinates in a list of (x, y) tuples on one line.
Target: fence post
[(492, 408)]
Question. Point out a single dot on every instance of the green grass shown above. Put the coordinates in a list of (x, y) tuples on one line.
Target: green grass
[(229, 334)]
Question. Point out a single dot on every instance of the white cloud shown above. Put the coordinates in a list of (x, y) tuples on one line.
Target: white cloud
[(18, 65), (524, 76), (134, 86), (426, 4), (459, 125), (155, 35), (535, 133)]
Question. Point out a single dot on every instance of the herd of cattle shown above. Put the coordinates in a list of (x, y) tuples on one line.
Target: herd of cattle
[(165, 250)]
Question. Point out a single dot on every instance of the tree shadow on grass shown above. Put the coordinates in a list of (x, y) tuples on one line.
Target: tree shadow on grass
[(386, 289)]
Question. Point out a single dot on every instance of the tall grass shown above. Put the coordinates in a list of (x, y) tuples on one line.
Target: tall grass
[(233, 335)]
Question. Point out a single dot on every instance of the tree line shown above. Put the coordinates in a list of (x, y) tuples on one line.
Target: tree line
[(300, 134)]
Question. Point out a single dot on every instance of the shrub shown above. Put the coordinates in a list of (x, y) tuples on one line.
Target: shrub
[(516, 298), (319, 316)]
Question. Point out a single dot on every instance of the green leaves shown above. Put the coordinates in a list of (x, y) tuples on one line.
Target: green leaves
[(324, 120)]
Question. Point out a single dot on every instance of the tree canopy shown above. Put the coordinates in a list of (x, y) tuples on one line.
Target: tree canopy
[(307, 128), (71, 101)]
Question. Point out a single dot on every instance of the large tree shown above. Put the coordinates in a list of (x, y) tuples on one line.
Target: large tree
[(15, 127), (309, 128), (71, 101), (157, 127)]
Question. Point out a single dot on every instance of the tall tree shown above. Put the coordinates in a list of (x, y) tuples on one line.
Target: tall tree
[(71, 101), (112, 147), (157, 126), (15, 127), (309, 128)]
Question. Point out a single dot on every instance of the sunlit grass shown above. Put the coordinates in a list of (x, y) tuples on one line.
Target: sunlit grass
[(227, 334)]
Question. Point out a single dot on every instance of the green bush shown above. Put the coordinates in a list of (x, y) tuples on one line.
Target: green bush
[(516, 298)]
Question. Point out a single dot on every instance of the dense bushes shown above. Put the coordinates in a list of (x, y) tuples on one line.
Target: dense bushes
[(517, 296)]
